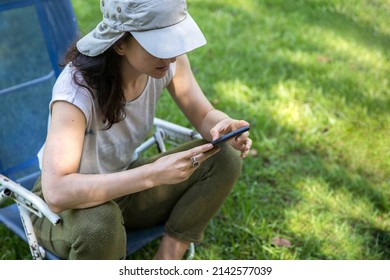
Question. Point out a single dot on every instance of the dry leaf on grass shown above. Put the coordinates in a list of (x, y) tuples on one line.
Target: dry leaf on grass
[(281, 242)]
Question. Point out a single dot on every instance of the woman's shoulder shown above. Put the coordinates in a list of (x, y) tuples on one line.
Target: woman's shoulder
[(66, 83), (66, 89), (66, 76), (65, 79)]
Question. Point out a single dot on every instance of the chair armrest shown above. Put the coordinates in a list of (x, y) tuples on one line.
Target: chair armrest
[(176, 132), (26, 199)]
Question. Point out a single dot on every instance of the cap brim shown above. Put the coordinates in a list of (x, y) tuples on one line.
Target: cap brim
[(98, 40), (171, 41)]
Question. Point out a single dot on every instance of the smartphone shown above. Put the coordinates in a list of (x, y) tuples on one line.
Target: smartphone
[(229, 135)]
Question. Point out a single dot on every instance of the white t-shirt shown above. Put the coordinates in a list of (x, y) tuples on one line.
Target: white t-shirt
[(112, 150)]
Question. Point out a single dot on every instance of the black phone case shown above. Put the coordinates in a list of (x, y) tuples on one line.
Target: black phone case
[(229, 135)]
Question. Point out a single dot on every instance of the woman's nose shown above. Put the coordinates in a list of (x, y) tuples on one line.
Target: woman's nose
[(170, 60)]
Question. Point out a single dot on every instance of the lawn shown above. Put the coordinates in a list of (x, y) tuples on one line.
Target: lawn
[(312, 78)]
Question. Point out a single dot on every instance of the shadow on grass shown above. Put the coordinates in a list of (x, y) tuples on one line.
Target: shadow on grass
[(379, 239)]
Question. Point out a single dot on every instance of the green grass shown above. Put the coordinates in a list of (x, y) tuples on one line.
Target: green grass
[(312, 77)]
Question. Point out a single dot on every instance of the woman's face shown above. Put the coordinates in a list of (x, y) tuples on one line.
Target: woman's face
[(139, 60)]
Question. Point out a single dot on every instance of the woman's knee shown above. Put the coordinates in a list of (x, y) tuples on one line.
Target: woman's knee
[(222, 171), (99, 234), (228, 162)]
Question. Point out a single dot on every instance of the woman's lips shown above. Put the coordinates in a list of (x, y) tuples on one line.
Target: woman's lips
[(163, 68)]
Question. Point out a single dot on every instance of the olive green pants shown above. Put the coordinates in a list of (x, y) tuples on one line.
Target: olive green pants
[(185, 209)]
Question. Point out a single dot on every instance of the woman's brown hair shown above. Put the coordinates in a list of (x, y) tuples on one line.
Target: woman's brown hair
[(102, 79)]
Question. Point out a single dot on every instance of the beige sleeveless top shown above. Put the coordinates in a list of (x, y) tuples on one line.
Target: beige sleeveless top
[(112, 150)]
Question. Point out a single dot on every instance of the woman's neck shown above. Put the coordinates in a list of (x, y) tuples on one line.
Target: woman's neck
[(133, 82)]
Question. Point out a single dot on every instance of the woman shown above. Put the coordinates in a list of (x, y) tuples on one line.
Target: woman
[(102, 108)]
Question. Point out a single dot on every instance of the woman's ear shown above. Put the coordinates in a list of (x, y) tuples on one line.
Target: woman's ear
[(120, 47), (122, 44)]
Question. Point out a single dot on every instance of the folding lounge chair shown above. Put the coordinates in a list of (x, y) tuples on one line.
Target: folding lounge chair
[(34, 36)]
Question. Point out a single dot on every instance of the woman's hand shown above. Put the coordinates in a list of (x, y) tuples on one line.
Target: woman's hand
[(241, 143), (178, 167)]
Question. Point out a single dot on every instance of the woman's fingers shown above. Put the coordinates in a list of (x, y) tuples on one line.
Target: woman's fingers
[(200, 153)]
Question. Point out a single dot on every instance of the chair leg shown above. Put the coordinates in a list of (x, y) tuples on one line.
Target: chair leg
[(191, 251), (31, 237)]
